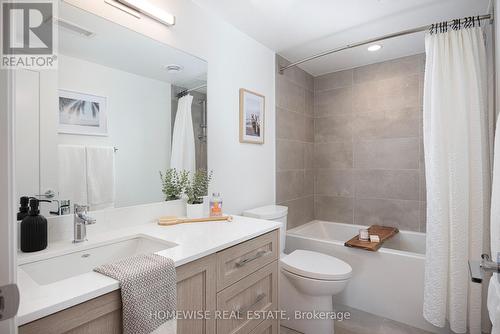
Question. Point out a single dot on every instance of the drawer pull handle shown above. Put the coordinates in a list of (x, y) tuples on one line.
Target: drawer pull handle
[(243, 311), (260, 253)]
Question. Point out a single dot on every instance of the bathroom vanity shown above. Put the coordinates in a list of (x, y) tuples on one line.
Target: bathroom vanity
[(235, 274), (94, 135)]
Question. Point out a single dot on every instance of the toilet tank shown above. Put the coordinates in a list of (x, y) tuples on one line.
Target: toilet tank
[(272, 212)]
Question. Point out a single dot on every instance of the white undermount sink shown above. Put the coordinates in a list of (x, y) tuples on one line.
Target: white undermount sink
[(64, 266)]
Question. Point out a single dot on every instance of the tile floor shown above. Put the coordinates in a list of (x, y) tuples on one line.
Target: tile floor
[(366, 323)]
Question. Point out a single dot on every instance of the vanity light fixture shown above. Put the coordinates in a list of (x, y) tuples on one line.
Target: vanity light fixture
[(374, 47), (173, 68), (74, 28), (148, 9)]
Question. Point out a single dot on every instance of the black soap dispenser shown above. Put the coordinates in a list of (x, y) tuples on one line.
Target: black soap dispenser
[(34, 228), (23, 208)]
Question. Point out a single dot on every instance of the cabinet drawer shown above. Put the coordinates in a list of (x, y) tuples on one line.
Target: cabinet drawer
[(241, 260), (255, 293), (266, 327)]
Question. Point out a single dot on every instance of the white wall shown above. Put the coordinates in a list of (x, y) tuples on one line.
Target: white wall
[(138, 112), (7, 205), (244, 173)]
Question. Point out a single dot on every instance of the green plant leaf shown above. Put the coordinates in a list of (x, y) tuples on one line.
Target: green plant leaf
[(197, 186), (173, 183)]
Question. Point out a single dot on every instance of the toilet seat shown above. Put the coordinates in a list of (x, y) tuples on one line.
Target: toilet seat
[(316, 266)]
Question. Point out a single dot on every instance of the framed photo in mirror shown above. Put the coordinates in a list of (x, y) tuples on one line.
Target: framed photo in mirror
[(252, 115), (82, 114)]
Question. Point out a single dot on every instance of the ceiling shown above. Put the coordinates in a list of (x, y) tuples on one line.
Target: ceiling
[(297, 28), (115, 46)]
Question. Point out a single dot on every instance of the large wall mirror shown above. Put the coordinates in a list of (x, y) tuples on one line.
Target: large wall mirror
[(98, 130)]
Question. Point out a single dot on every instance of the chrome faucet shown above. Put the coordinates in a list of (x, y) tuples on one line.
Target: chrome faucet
[(486, 265), (80, 222)]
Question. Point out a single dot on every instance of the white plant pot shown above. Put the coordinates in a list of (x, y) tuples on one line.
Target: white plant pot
[(194, 210), (206, 206)]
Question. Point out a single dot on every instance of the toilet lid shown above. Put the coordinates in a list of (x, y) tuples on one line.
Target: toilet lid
[(316, 265)]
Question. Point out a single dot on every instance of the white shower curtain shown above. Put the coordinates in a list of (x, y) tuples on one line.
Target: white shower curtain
[(457, 175), (183, 149)]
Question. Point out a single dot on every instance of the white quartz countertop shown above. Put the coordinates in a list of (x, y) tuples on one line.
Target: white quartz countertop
[(194, 241)]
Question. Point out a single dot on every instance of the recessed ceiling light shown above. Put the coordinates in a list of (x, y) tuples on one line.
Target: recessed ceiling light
[(374, 47), (173, 68)]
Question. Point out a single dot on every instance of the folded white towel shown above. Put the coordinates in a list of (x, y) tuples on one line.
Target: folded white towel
[(101, 177), (72, 173)]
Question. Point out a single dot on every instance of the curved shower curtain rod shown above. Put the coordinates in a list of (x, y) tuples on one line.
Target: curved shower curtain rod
[(378, 39), (186, 91)]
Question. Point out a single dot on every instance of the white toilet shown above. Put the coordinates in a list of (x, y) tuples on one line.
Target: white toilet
[(308, 280)]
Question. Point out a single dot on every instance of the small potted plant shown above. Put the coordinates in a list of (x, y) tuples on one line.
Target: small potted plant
[(196, 188), (173, 183)]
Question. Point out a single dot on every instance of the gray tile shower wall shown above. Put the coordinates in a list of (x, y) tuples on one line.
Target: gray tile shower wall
[(349, 144), (295, 143), (368, 145)]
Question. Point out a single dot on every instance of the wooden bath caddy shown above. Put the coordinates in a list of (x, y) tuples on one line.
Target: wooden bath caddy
[(383, 233)]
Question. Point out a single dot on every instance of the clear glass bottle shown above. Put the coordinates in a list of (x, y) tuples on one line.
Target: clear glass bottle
[(216, 205)]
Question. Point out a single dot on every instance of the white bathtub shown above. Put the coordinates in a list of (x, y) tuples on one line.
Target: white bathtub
[(388, 283)]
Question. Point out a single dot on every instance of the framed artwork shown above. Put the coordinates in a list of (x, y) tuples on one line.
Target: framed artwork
[(252, 115), (82, 114)]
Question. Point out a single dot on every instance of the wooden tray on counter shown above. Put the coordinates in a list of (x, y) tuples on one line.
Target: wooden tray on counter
[(383, 232)]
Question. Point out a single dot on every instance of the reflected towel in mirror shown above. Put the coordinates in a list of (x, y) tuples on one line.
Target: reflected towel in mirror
[(72, 173), (100, 177)]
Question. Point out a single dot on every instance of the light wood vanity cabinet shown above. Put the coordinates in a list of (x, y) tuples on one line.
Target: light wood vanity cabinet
[(267, 327), (196, 287), (241, 260), (255, 293), (196, 290), (241, 278), (99, 315)]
